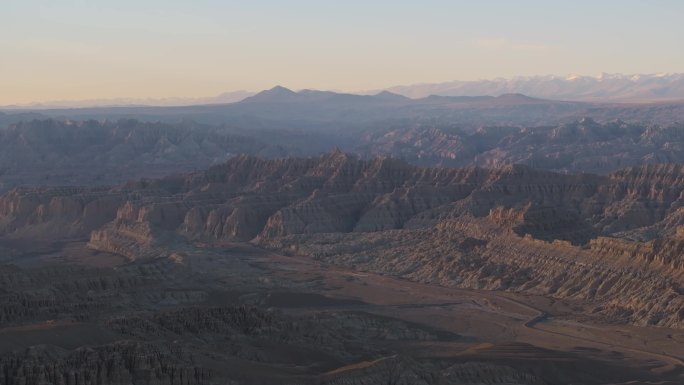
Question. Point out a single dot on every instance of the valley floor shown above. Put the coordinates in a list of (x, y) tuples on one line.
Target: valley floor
[(528, 333), (486, 317)]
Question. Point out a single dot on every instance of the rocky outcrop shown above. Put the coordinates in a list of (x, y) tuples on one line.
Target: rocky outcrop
[(71, 293), (58, 211), (94, 152), (583, 145), (123, 363), (667, 252), (70, 152), (597, 239), (486, 253), (249, 197)]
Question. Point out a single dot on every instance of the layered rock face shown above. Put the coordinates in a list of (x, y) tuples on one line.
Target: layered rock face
[(248, 196), (190, 306), (479, 253), (583, 145), (59, 152), (594, 238), (68, 152), (61, 211)]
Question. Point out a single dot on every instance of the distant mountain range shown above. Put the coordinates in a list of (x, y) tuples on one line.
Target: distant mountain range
[(223, 98), (317, 111), (602, 88), (281, 109)]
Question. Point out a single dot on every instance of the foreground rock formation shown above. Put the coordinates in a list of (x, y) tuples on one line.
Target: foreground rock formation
[(167, 290), (612, 241)]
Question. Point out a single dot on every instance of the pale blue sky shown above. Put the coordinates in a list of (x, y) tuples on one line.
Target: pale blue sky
[(78, 49)]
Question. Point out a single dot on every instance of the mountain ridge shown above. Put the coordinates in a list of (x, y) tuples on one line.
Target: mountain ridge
[(651, 87), (509, 228), (605, 87)]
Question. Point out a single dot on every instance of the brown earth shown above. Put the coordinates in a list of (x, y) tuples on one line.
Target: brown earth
[(344, 271)]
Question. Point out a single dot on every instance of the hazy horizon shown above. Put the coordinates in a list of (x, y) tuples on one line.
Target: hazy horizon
[(238, 95), (80, 50)]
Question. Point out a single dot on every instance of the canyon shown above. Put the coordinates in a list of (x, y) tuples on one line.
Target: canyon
[(316, 237), (339, 269), (295, 193), (63, 152)]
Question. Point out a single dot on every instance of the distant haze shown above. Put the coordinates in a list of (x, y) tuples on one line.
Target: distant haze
[(602, 88), (127, 52)]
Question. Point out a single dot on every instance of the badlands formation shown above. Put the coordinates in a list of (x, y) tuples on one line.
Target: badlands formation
[(341, 270)]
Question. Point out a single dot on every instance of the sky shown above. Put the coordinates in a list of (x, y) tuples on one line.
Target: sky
[(91, 49)]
